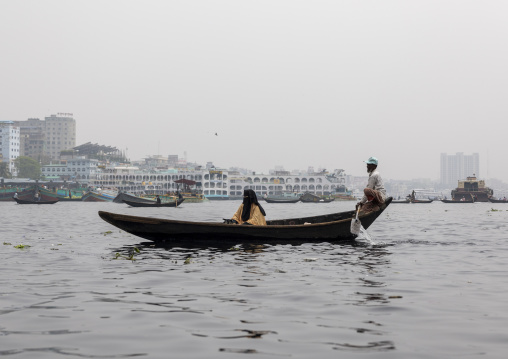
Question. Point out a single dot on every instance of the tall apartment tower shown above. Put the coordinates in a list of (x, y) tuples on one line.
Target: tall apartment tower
[(32, 139), (43, 140), (9, 144), (459, 167), (60, 131)]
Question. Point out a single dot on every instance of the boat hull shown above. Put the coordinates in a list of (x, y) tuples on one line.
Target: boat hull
[(335, 227), (22, 201), (152, 204), (497, 200), (452, 201), (268, 200)]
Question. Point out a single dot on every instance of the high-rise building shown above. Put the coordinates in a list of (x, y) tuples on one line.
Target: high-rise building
[(9, 144), (60, 132), (44, 140), (32, 139), (459, 167)]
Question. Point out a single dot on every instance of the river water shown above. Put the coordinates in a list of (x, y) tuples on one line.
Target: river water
[(431, 283)]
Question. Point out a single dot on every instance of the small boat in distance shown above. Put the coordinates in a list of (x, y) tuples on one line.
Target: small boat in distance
[(25, 201), (492, 200), (308, 197), (284, 197), (457, 201), (153, 204)]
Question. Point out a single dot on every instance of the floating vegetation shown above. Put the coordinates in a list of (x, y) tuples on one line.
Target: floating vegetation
[(234, 249), (107, 232), (494, 210), (22, 246), (131, 255), (7, 244), (187, 261)]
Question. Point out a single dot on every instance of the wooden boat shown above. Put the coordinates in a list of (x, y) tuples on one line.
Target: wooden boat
[(61, 194), (498, 200), (100, 196), (402, 201), (25, 201), (7, 194), (421, 201), (281, 200), (312, 198), (456, 201), (132, 198), (153, 204), (284, 197), (335, 227)]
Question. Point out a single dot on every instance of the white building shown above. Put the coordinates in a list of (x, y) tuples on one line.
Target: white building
[(60, 130), (76, 169), (459, 167), (9, 144)]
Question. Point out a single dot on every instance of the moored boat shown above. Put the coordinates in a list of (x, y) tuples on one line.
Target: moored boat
[(153, 204), (99, 196), (42, 201), (312, 198), (62, 194), (124, 196), (492, 200), (335, 227), (402, 201), (457, 201), (7, 194), (472, 188), (284, 197), (421, 201)]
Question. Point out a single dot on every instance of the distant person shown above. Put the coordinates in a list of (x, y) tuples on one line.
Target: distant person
[(375, 192), (38, 196), (70, 194), (250, 211), (15, 195), (158, 199)]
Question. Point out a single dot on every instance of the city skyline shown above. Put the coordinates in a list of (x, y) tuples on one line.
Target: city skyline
[(263, 84)]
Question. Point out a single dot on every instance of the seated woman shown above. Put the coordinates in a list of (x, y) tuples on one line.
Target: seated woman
[(250, 211)]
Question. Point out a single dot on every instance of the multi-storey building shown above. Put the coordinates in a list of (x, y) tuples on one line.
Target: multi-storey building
[(75, 169), (9, 144), (32, 139), (43, 140), (458, 167), (60, 130)]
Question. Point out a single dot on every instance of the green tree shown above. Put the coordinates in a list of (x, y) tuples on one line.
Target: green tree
[(28, 167), (4, 170)]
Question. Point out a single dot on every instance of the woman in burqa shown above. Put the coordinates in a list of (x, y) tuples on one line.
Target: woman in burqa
[(250, 211)]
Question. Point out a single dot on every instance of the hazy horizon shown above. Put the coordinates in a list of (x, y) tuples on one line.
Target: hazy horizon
[(291, 83)]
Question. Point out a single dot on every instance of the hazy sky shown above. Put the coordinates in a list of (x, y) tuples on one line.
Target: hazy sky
[(292, 83)]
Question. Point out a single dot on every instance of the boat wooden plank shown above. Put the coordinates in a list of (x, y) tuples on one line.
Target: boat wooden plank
[(331, 227)]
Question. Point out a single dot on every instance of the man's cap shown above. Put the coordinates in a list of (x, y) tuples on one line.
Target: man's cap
[(371, 161)]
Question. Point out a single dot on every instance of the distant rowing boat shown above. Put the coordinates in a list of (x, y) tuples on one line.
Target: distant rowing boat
[(453, 201), (153, 204), (24, 201)]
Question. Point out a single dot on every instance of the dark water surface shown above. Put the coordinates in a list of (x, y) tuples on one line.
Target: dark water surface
[(433, 284)]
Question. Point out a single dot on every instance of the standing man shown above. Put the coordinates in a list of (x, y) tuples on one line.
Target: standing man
[(374, 193)]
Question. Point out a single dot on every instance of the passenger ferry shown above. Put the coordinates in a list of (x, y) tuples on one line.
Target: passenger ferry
[(472, 188)]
